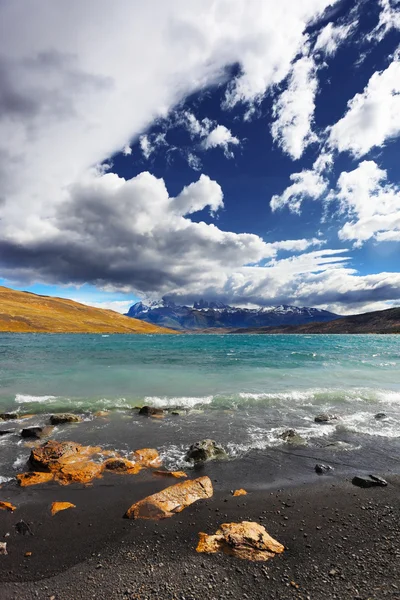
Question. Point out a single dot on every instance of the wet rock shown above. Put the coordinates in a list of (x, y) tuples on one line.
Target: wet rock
[(122, 465), (205, 450), (6, 432), (321, 469), (3, 549), (7, 506), (246, 540), (176, 474), (60, 419), (172, 500), (152, 411), (49, 454), (80, 471), (23, 528), (59, 506), (325, 418), (240, 492), (36, 432), (292, 437), (8, 416), (102, 413), (147, 457), (34, 478), (380, 415), (368, 482), (339, 446)]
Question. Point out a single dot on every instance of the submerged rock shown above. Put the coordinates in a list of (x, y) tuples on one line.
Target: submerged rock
[(36, 432), (8, 416), (59, 506), (102, 413), (34, 478), (325, 418), (205, 450), (152, 411), (7, 506), (291, 436), (368, 482), (339, 446), (246, 540), (380, 415), (321, 469), (172, 500), (3, 549), (60, 419)]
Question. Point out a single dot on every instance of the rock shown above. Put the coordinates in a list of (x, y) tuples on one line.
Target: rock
[(8, 416), (36, 432), (172, 500), (3, 549), (34, 478), (292, 437), (325, 418), (58, 506), (23, 528), (321, 469), (147, 457), (246, 540), (80, 471), (368, 482), (7, 506), (152, 411), (60, 419), (339, 446), (102, 413), (205, 450), (380, 415), (176, 474), (240, 492), (122, 465), (7, 431), (51, 453), (28, 554)]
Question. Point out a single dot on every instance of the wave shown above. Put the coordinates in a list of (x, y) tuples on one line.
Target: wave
[(27, 399), (178, 402)]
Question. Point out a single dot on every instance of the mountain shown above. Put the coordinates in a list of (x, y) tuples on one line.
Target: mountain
[(382, 321), (206, 315), (23, 312)]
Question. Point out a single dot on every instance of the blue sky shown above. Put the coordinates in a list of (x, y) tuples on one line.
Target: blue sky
[(249, 156)]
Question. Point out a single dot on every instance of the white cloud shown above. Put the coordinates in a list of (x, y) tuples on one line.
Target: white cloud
[(294, 109), (389, 18), (331, 37), (308, 184), (372, 204), (126, 150), (373, 116), (222, 137), (120, 306)]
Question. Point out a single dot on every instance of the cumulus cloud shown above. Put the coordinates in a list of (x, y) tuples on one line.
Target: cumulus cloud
[(373, 116), (331, 36), (294, 109), (126, 150), (209, 132), (372, 204), (222, 137)]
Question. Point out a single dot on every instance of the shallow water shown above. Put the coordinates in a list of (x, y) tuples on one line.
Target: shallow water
[(241, 389)]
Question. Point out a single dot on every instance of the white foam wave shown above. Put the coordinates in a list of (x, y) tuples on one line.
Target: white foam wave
[(5, 479), (180, 401), (26, 399)]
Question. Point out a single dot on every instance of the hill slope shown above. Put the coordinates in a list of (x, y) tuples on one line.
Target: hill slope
[(23, 312), (382, 321)]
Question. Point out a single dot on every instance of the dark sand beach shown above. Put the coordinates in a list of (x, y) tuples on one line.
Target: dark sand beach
[(340, 542)]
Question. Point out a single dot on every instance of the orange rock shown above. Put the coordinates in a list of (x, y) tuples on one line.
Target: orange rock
[(7, 506), (122, 465), (27, 554), (102, 413), (26, 416), (34, 478), (58, 506), (147, 457), (177, 474), (247, 540), (171, 500), (240, 492), (79, 471), (51, 453)]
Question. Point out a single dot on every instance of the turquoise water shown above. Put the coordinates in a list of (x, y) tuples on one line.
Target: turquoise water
[(242, 390)]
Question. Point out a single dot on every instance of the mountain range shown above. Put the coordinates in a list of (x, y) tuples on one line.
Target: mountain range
[(215, 315)]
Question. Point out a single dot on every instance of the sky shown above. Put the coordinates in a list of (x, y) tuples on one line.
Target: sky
[(244, 151)]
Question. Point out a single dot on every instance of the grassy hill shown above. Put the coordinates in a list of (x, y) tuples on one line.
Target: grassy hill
[(382, 321), (23, 312)]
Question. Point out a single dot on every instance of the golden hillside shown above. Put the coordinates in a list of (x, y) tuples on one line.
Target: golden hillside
[(23, 312)]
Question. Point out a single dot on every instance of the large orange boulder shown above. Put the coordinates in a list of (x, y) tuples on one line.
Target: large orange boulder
[(34, 478), (172, 500), (49, 455), (247, 540)]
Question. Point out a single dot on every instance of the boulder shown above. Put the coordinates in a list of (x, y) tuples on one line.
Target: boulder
[(368, 482), (51, 453), (321, 469), (59, 506), (3, 549), (290, 436), (7, 506), (172, 500), (79, 471), (325, 418), (152, 411), (176, 474), (147, 457), (34, 478), (240, 492), (246, 540), (8, 416), (122, 465), (36, 432), (205, 450), (60, 419), (380, 415)]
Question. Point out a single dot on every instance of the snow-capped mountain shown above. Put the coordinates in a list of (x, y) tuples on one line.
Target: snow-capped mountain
[(205, 315)]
